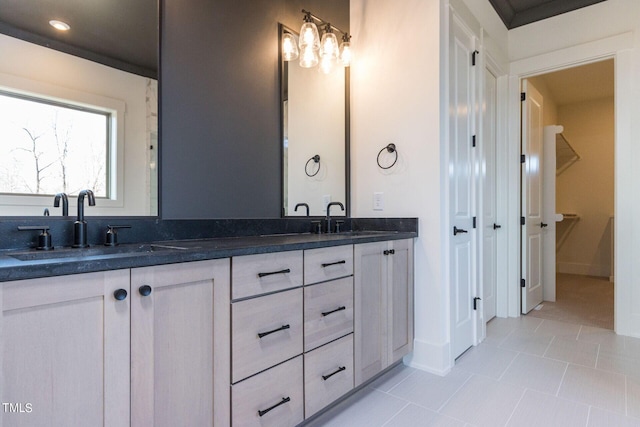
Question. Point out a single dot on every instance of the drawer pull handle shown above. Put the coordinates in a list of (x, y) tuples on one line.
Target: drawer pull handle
[(326, 313), (284, 400), (329, 264), (389, 252), (286, 270), (340, 369), (281, 328)]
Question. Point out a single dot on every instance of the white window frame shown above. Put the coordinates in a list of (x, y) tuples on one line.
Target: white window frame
[(114, 107)]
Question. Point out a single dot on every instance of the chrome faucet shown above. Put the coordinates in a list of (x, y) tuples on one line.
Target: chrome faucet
[(65, 203), (80, 226), (328, 219)]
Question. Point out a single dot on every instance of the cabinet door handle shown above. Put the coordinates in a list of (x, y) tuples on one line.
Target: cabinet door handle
[(286, 270), (496, 226), (281, 328), (145, 290), (326, 313), (284, 400), (340, 369), (120, 294), (543, 225), (389, 252), (328, 264)]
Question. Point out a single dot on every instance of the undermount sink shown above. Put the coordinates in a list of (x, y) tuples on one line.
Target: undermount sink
[(101, 251)]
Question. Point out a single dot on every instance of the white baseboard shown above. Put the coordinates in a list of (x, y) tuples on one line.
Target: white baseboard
[(583, 269), (429, 357)]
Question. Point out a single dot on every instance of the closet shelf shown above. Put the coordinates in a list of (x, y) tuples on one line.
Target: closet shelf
[(564, 228), (565, 154)]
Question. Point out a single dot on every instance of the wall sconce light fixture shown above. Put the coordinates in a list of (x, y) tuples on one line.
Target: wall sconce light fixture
[(314, 50)]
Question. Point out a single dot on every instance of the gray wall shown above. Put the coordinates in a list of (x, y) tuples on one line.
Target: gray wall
[(220, 94)]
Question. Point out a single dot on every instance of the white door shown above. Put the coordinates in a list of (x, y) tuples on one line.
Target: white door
[(461, 121), (490, 227), (532, 206)]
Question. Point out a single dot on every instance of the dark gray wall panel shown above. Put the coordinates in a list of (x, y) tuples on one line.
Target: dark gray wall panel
[(220, 123)]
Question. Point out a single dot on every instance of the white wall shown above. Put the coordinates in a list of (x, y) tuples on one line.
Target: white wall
[(50, 67), (607, 29), (586, 187), (590, 23), (395, 98)]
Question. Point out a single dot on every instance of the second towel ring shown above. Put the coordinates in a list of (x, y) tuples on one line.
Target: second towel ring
[(315, 159), (391, 148)]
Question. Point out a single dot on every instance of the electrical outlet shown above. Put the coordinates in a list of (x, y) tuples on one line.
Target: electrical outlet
[(378, 201), (326, 199)]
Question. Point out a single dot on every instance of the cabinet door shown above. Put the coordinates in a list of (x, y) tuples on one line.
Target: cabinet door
[(400, 296), (370, 310), (180, 344), (65, 351)]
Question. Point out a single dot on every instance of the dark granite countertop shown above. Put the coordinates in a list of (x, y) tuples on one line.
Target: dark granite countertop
[(29, 264)]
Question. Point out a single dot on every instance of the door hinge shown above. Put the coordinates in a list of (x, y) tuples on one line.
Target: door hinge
[(475, 302), (473, 57), (523, 96), (473, 141), (474, 221), (523, 158), (523, 283), (522, 220)]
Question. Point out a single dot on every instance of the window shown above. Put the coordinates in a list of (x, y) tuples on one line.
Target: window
[(47, 147)]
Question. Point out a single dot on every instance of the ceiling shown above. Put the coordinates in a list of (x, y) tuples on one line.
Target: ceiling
[(579, 84), (516, 13), (118, 33)]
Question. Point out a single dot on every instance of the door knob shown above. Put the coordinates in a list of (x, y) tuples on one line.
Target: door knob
[(496, 226), (543, 225), (457, 230)]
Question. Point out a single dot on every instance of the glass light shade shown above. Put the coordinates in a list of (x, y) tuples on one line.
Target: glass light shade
[(329, 45), (345, 53), (327, 63), (289, 47), (308, 57), (309, 36)]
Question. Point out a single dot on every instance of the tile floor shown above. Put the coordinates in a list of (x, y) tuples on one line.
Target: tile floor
[(587, 300), (528, 372)]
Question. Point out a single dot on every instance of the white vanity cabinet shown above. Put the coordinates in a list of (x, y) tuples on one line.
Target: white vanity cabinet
[(256, 340), (267, 340), (328, 326), (180, 354), (383, 279), (65, 350)]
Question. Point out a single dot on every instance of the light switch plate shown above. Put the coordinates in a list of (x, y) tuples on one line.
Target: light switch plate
[(378, 201), (326, 199)]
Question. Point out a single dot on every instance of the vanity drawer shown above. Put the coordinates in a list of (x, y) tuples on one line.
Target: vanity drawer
[(328, 374), (262, 273), (281, 386), (327, 263), (328, 311), (278, 319)]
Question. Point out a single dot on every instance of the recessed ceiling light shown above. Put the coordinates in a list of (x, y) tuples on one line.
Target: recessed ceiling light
[(59, 25)]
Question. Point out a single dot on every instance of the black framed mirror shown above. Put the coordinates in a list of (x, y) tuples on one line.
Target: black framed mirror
[(106, 63), (315, 136)]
